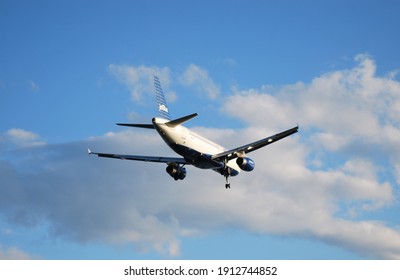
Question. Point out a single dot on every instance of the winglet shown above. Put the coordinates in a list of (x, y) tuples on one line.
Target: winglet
[(89, 152)]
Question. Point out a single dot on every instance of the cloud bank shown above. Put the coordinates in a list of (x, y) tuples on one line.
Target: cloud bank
[(13, 253), (197, 77), (320, 184), (139, 80)]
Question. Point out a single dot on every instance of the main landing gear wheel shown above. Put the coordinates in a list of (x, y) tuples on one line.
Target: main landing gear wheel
[(227, 186)]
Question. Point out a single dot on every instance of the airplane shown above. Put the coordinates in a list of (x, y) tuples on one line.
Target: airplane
[(195, 149)]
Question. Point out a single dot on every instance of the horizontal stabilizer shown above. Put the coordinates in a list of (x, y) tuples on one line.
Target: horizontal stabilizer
[(137, 125), (181, 120)]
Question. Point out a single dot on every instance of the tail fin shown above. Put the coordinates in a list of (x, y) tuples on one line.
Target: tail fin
[(161, 103)]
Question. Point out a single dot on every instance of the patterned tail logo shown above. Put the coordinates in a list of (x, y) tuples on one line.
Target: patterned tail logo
[(161, 103)]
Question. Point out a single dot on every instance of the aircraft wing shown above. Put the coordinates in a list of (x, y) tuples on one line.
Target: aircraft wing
[(234, 153), (142, 158)]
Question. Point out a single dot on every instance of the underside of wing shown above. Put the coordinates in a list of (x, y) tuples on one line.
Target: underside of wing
[(142, 158), (234, 153)]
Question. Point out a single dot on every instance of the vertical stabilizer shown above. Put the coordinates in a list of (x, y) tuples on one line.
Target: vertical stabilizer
[(161, 103)]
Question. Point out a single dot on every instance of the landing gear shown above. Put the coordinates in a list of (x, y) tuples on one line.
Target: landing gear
[(227, 185), (226, 172), (226, 175)]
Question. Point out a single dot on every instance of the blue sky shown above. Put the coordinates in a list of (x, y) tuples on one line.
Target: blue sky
[(70, 69)]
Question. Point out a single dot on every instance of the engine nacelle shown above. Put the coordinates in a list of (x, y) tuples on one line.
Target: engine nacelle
[(177, 172), (246, 164)]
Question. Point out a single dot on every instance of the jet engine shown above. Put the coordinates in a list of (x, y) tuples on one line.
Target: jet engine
[(245, 163), (176, 171)]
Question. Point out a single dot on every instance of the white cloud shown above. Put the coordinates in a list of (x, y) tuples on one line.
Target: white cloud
[(33, 86), (198, 78), (343, 107), (22, 135), (13, 253), (23, 138), (88, 199), (351, 115), (139, 80)]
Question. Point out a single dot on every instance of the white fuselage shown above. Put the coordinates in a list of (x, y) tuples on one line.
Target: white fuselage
[(191, 145)]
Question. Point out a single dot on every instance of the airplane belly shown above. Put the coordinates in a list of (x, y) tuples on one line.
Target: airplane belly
[(194, 148), (195, 157)]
